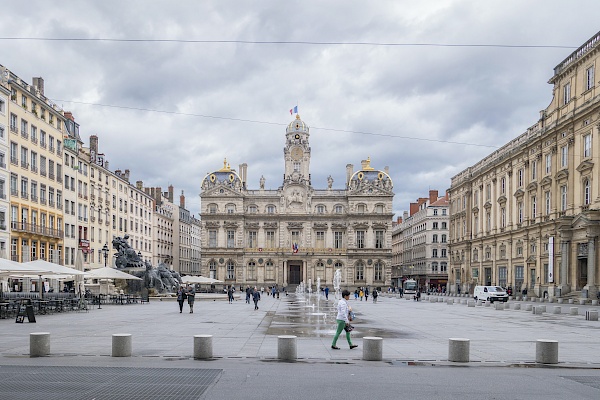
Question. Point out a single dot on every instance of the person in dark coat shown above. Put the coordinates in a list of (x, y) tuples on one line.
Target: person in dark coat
[(256, 298), (181, 298), (191, 296)]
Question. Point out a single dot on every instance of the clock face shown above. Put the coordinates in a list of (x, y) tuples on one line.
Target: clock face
[(297, 153)]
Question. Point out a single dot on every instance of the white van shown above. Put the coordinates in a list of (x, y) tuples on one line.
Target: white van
[(490, 293)]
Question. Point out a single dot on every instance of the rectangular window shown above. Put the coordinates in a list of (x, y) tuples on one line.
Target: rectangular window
[(230, 239), (547, 202), (503, 217), (589, 78), (379, 239), (337, 240), (563, 198), (566, 93), (320, 239), (564, 156), (548, 163), (503, 185), (360, 239), (533, 170), (520, 212), (212, 238), (360, 272), (502, 276), (252, 239), (488, 192), (270, 239), (520, 178), (587, 145)]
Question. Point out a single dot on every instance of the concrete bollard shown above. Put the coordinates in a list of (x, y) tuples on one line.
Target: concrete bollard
[(488, 304), (543, 308), (506, 306), (499, 306), (560, 301), (517, 306), (458, 349), (433, 300), (450, 302), (470, 303), (574, 310), (594, 302), (203, 348), (372, 348), (479, 303), (463, 301), (581, 302), (537, 310), (533, 299), (570, 301), (121, 345), (39, 344), (556, 310), (286, 347), (546, 351), (528, 307), (591, 315), (551, 300)]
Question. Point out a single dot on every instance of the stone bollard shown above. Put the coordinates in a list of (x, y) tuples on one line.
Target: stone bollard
[(433, 300), (488, 303), (463, 301), (517, 298), (121, 345), (570, 301), (594, 302), (528, 307), (581, 302), (543, 308), (537, 310), (203, 348), (479, 303), (39, 344), (533, 299), (574, 310), (470, 303), (372, 348), (458, 349), (506, 305), (591, 315), (450, 302), (286, 347), (499, 306), (560, 301), (556, 310), (546, 351), (517, 306), (551, 300)]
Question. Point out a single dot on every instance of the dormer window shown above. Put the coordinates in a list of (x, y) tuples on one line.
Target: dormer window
[(320, 209)]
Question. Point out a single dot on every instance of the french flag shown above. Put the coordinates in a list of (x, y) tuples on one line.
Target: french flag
[(294, 110), (295, 248)]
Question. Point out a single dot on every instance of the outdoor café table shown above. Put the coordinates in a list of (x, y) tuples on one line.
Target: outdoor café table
[(41, 306), (56, 305)]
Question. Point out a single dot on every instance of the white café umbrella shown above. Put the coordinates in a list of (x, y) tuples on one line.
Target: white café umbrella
[(50, 268), (199, 279), (110, 273)]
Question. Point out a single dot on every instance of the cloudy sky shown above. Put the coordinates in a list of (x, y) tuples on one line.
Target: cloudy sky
[(425, 87)]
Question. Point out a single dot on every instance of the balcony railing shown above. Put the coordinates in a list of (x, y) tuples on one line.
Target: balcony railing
[(14, 160), (36, 229)]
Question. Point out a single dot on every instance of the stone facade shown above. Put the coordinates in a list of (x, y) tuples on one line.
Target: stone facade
[(297, 233), (527, 216)]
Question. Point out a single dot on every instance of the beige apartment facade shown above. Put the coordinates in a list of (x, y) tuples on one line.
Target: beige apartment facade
[(36, 129), (4, 172), (296, 233), (528, 215)]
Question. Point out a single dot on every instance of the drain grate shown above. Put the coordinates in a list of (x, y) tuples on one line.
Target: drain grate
[(104, 383), (591, 381)]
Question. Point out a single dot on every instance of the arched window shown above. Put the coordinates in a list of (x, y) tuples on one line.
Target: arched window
[(252, 270), (360, 271), (230, 270)]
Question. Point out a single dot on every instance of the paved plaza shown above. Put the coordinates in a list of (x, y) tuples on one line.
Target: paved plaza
[(412, 331)]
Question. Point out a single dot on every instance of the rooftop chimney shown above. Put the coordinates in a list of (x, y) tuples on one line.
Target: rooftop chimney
[(433, 196), (170, 194), (182, 200), (94, 146), (38, 83)]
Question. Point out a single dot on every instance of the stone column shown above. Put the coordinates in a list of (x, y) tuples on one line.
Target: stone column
[(564, 267), (591, 268)]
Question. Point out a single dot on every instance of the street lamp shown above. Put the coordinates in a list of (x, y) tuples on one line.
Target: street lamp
[(105, 253)]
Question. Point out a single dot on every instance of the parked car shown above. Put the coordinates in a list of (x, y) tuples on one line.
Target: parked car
[(490, 293)]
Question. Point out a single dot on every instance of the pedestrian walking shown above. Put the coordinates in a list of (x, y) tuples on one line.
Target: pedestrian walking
[(230, 294), (256, 298), (326, 293), (367, 294), (181, 298), (361, 294), (356, 294), (375, 294), (191, 296), (273, 291), (248, 292), (343, 321)]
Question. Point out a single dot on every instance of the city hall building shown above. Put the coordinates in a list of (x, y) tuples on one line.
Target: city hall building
[(297, 233)]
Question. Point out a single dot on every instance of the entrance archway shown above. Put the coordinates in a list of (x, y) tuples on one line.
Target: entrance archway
[(294, 272)]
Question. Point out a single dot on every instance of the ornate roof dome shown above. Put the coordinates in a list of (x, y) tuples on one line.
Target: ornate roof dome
[(223, 176), (297, 126), (370, 174)]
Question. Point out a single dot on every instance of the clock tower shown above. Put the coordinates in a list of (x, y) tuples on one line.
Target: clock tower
[(297, 153)]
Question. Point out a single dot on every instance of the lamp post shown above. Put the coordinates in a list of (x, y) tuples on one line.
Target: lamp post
[(105, 254), (146, 277)]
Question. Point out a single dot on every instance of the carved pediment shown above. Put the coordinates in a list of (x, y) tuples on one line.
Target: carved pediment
[(223, 190), (546, 181), (379, 224), (532, 186), (585, 165), (360, 224), (502, 199), (270, 224), (229, 224), (252, 225), (212, 224), (531, 259), (519, 193), (320, 225), (562, 174), (295, 225), (338, 225)]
